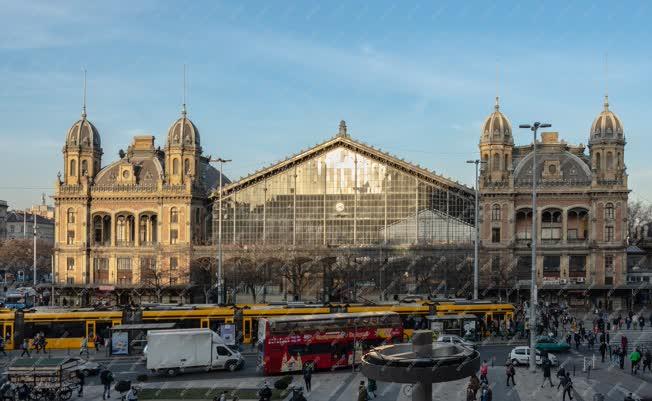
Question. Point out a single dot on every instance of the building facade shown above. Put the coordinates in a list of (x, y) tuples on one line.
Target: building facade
[(353, 214), (20, 225), (3, 219), (581, 211), (134, 222)]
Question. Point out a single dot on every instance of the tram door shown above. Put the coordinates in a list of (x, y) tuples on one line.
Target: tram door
[(8, 333), (90, 330), (246, 330)]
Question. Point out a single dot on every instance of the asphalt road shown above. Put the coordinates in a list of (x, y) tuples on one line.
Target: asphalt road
[(130, 369)]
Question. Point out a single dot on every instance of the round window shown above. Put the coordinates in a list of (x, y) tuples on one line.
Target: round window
[(125, 174), (339, 207), (552, 169)]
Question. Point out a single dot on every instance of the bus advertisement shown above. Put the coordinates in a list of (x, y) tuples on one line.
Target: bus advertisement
[(328, 341)]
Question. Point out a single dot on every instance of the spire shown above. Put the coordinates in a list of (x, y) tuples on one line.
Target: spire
[(183, 106), (84, 101), (497, 105), (606, 80), (342, 129)]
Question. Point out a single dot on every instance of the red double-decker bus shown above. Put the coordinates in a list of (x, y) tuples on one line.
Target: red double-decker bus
[(327, 341)]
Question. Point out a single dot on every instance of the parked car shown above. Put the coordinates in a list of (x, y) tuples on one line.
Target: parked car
[(453, 339), (521, 356), (88, 368), (550, 344)]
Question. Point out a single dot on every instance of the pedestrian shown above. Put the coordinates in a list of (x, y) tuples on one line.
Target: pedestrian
[(97, 341), (561, 373), (578, 340), (628, 322), (43, 342), (641, 321), (647, 360), (23, 391), (485, 393), (569, 339), (623, 343), (83, 349), (307, 375), (265, 393), (510, 372), (24, 346), (546, 365), (621, 358), (2, 347), (222, 396), (603, 350), (81, 380), (474, 384), (469, 394), (635, 358), (107, 345), (362, 392), (132, 395), (567, 384), (484, 371), (371, 388), (106, 378), (591, 340)]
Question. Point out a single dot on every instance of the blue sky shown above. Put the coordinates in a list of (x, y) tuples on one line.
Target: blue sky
[(267, 79)]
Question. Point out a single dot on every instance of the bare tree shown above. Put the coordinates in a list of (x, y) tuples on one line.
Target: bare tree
[(638, 214), (296, 270), (18, 254), (202, 271)]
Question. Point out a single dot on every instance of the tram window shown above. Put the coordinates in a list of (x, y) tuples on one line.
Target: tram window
[(215, 324), (56, 329)]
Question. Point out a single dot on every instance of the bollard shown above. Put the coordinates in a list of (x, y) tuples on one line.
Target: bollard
[(588, 372), (593, 361), (583, 364)]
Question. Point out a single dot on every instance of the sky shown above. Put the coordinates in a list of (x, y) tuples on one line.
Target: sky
[(268, 79)]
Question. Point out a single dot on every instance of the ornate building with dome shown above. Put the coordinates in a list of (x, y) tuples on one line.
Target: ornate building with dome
[(133, 223), (581, 212)]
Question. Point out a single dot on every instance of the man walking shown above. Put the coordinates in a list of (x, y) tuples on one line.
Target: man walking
[(545, 365), (647, 360), (307, 376), (567, 383), (510, 372), (603, 350), (24, 346), (106, 378), (635, 358)]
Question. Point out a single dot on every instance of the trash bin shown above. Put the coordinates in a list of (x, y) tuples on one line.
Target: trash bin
[(598, 397)]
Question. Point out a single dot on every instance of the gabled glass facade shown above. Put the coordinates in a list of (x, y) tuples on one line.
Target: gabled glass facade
[(340, 197)]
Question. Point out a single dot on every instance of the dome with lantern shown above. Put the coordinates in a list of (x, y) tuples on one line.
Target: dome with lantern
[(183, 132), (496, 127), (607, 125)]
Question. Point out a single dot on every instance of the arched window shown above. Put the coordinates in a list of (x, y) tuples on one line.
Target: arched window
[(186, 166), (121, 231), (610, 160), (495, 212), (84, 167), (496, 165), (598, 161), (174, 215), (73, 167), (609, 212), (71, 215), (175, 166)]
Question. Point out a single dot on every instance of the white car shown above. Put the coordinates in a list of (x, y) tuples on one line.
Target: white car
[(453, 339), (521, 356)]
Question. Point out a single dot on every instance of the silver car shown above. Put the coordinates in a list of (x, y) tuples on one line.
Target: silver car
[(453, 339)]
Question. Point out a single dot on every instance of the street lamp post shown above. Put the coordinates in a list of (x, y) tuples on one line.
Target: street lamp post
[(477, 232), (533, 270), (220, 278), (34, 261)]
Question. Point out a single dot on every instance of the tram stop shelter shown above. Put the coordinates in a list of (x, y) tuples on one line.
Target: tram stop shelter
[(130, 339)]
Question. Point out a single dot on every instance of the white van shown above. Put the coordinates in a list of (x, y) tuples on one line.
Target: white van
[(182, 350)]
